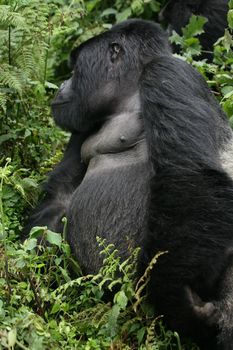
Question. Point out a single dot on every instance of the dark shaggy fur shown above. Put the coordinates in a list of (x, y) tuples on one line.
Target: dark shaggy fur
[(144, 166)]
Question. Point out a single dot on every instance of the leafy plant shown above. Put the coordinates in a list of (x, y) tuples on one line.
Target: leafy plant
[(59, 311), (45, 301)]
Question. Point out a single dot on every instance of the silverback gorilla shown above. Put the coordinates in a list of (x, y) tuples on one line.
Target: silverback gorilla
[(178, 12), (149, 164)]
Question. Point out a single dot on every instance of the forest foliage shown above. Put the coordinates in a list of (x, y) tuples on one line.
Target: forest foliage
[(43, 304)]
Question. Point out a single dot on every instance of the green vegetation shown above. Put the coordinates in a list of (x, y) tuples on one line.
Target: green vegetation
[(42, 304)]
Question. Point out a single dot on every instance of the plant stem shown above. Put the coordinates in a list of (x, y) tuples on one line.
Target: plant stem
[(9, 45), (47, 53)]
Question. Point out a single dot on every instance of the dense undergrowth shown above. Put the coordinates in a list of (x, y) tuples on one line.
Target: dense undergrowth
[(42, 304)]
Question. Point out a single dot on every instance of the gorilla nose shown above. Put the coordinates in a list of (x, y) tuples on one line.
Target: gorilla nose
[(65, 85)]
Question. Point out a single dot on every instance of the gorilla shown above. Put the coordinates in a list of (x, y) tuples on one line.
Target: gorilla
[(149, 164), (177, 13)]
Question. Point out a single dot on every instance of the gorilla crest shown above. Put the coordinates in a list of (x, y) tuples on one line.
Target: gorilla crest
[(149, 164)]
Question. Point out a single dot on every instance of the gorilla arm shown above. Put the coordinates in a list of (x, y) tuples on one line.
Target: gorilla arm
[(62, 182)]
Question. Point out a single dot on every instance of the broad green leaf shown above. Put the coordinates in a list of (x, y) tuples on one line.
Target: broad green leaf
[(121, 299), (37, 231), (54, 238), (30, 244)]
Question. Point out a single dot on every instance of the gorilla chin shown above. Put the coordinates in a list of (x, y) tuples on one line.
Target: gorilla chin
[(149, 164)]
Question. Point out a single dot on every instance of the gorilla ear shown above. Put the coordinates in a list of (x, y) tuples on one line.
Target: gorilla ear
[(115, 50)]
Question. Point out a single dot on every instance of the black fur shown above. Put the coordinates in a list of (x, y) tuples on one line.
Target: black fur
[(169, 192), (178, 12)]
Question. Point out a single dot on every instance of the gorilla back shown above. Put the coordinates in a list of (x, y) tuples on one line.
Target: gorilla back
[(149, 163)]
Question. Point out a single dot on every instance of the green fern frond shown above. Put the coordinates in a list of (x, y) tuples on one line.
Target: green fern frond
[(10, 18), (3, 100), (11, 78), (151, 334), (25, 60)]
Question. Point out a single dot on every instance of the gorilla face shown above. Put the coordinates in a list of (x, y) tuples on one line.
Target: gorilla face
[(106, 70), (96, 88)]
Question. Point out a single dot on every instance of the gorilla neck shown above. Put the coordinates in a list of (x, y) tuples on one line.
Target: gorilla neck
[(121, 137)]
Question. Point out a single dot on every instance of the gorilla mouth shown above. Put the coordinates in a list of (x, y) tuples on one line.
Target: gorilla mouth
[(57, 103)]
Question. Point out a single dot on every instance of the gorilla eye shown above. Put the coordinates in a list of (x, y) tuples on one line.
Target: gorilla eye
[(115, 50)]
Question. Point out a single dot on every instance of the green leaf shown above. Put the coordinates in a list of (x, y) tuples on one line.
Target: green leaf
[(51, 85), (54, 238), (124, 15), (194, 27), (176, 39), (137, 7), (230, 18), (27, 182), (121, 299), (154, 5), (227, 40), (6, 137), (55, 308), (92, 4), (108, 12), (12, 336), (37, 231), (140, 334), (228, 94), (227, 91), (30, 244)]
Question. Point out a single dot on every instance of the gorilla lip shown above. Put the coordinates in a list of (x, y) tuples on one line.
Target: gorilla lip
[(60, 103)]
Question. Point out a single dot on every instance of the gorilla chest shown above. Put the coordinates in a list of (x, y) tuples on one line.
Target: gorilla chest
[(112, 200)]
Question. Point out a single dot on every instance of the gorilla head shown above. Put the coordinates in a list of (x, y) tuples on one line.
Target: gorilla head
[(106, 71)]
